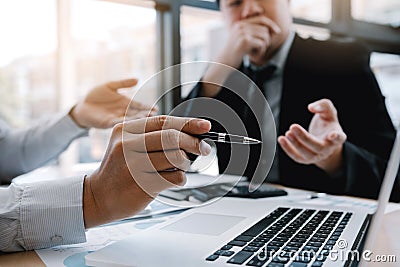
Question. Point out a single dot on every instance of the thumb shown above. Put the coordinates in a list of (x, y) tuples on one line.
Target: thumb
[(115, 85), (324, 108), (336, 137)]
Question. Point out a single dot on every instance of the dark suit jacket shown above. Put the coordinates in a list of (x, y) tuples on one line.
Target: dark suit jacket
[(340, 72)]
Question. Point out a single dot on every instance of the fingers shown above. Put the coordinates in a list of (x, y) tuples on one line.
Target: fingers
[(251, 36), (177, 178), (157, 123), (163, 161), (336, 137), (135, 114), (170, 139), (153, 183), (266, 22), (296, 150), (289, 149), (115, 85), (304, 138), (305, 148), (324, 108)]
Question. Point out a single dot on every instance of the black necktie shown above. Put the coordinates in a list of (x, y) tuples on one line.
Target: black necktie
[(256, 105), (260, 76)]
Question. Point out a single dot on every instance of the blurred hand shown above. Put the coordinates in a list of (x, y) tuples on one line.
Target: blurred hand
[(144, 157), (322, 145), (251, 37), (103, 106)]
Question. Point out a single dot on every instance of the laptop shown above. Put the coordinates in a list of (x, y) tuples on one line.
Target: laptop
[(254, 232)]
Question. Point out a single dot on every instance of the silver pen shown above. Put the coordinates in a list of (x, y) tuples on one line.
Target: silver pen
[(228, 138)]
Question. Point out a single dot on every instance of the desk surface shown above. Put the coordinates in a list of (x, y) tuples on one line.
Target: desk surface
[(388, 243)]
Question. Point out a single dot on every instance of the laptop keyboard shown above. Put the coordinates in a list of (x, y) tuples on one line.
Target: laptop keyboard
[(286, 237)]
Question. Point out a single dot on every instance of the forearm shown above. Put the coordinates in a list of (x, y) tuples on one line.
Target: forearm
[(333, 164), (105, 200), (214, 79), (26, 149), (41, 215)]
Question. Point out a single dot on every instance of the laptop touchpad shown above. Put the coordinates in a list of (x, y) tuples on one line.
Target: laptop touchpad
[(204, 223)]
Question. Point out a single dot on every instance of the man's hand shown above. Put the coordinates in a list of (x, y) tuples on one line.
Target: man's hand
[(104, 107), (143, 158), (251, 37), (323, 144)]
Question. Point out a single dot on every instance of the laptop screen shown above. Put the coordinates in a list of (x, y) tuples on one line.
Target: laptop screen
[(384, 195)]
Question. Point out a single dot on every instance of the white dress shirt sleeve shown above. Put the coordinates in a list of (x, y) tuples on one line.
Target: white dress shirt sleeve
[(26, 149), (42, 214)]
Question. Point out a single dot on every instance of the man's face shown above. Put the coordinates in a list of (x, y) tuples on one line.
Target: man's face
[(276, 10)]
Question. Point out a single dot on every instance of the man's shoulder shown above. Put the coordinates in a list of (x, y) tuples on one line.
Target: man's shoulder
[(334, 53)]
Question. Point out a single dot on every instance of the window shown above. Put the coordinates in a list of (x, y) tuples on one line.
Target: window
[(312, 32), (27, 60), (117, 42), (202, 33), (313, 10), (382, 12), (387, 71)]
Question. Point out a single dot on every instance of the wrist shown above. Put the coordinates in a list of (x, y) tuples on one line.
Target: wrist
[(229, 58), (333, 164), (73, 113), (93, 211)]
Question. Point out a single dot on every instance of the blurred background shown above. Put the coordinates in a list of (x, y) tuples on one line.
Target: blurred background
[(54, 51)]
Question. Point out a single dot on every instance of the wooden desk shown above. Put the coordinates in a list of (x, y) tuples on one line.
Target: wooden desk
[(21, 259)]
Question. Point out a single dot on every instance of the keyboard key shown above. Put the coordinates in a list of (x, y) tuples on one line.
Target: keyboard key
[(295, 244), (240, 257), (237, 243), (316, 244), (289, 249), (304, 258), (298, 264), (260, 239), (276, 243), (272, 249), (310, 248), (275, 264), (258, 260), (280, 259), (331, 242), (227, 253), (317, 264), (212, 257), (226, 247), (244, 238), (251, 249), (257, 244), (258, 227)]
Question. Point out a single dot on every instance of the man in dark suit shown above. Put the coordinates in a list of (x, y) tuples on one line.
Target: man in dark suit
[(335, 134)]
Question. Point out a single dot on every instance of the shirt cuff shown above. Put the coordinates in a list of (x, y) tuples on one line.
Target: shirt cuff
[(71, 126), (51, 213)]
